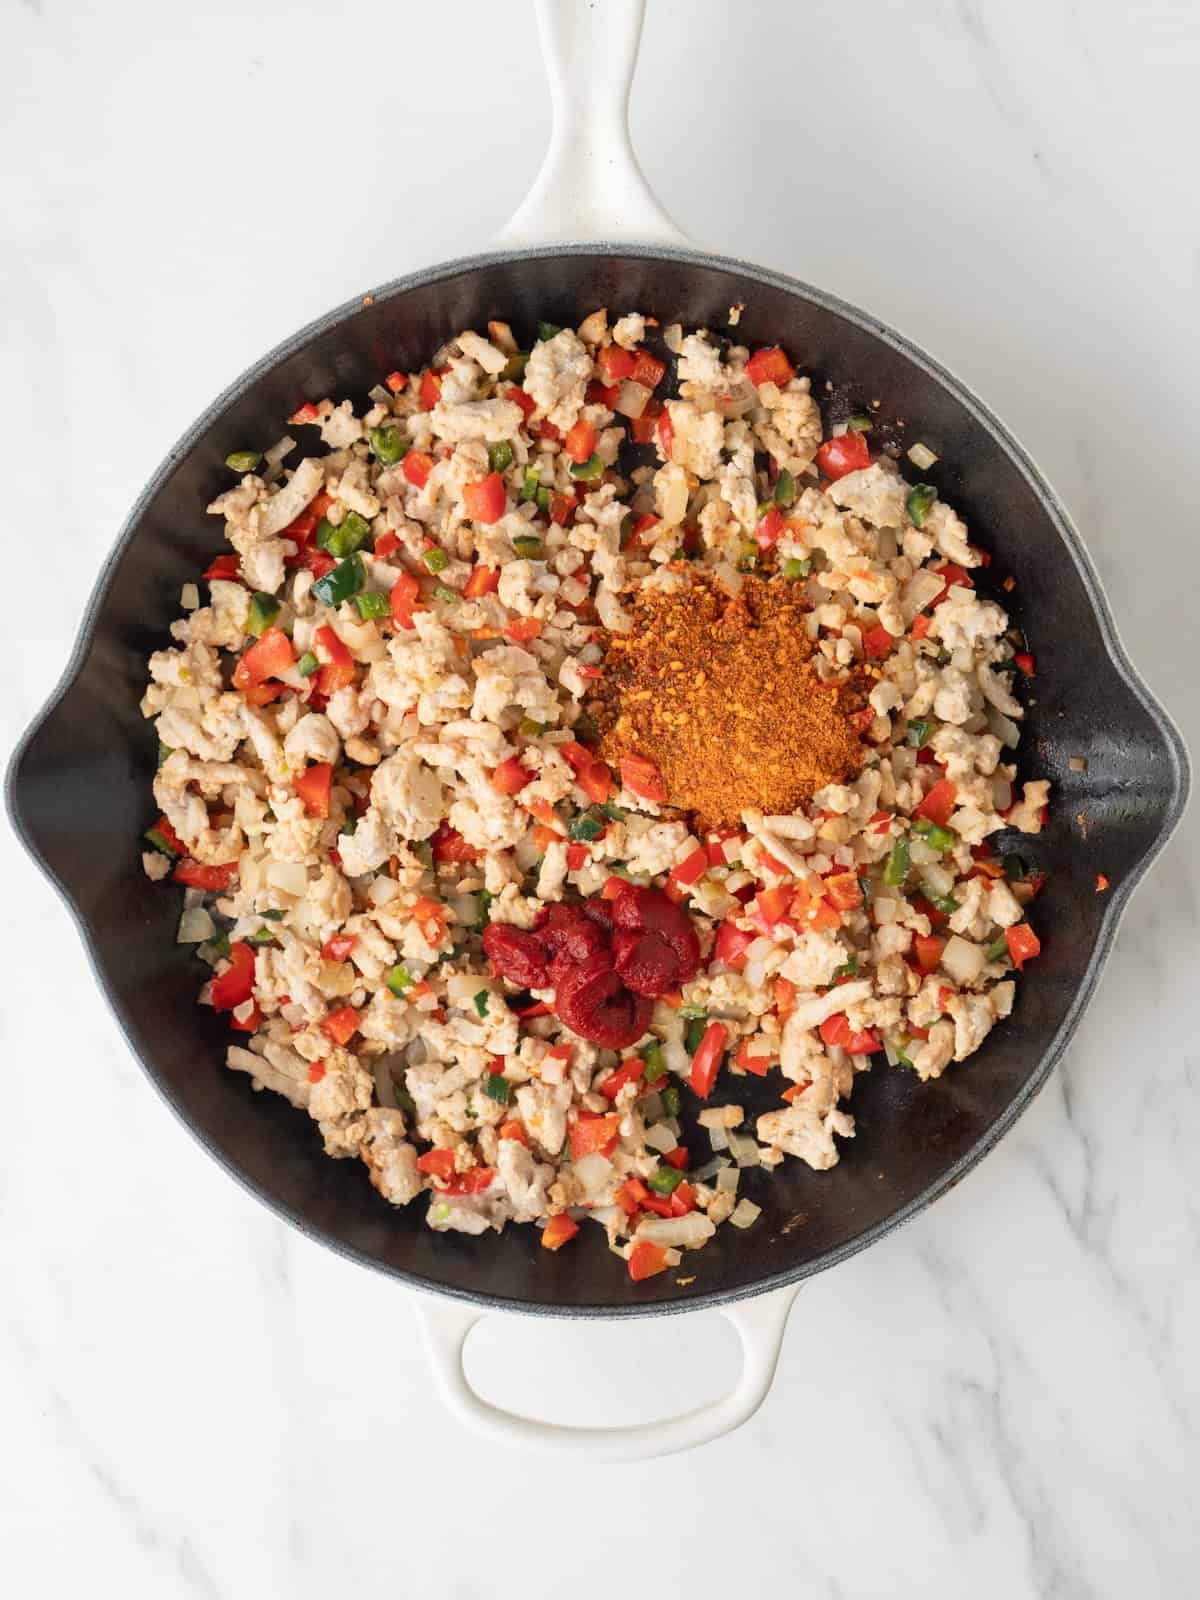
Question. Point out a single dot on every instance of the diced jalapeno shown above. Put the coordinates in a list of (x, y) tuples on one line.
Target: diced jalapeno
[(916, 734), (920, 498), (588, 470), (243, 460), (264, 608), (946, 903), (388, 444), (613, 812), (672, 1101), (500, 456), (895, 870), (935, 836), (785, 490), (373, 605), (400, 980), (543, 498), (308, 664), (345, 539), (548, 330), (998, 951), (586, 826), (449, 597), (656, 1067), (346, 579), (158, 842), (481, 1002), (848, 969), (530, 485), (496, 1088), (529, 549), (666, 1180), (696, 1029), (795, 567), (436, 559)]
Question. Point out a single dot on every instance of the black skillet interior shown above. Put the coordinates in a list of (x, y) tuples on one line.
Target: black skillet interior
[(80, 787)]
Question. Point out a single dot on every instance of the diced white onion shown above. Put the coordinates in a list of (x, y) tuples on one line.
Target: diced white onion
[(660, 1138), (921, 456), (1002, 791), (889, 1050), (594, 1173), (963, 960), (1003, 727), (718, 1138), (195, 926), (189, 597), (938, 879), (383, 890), (743, 1149), (385, 1089), (673, 337), (690, 1231), (290, 876), (728, 1179), (632, 399), (711, 1169), (650, 1106), (744, 1213), (674, 506), (466, 908)]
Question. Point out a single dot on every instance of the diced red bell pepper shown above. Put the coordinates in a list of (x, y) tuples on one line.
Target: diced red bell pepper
[(642, 777), (474, 1181), (648, 370), (1023, 944), (396, 381), (1025, 661), (707, 1060), (769, 907), (437, 1163), (510, 777), (313, 787), (448, 844), (692, 868), (521, 398), (558, 1230), (562, 509), (594, 1134), (753, 1061), (592, 776), (248, 1023), (580, 441), (307, 413), (198, 875), (878, 643), (405, 600), (268, 657), (848, 452), (938, 805), (512, 1129), (522, 629), (429, 390), (784, 993), (337, 664), (731, 944), (341, 1025), (920, 626), (485, 500), (665, 429), (770, 366), (386, 545), (577, 857), (227, 568), (951, 574), (338, 947), (163, 827), (235, 985), (261, 694), (678, 1158), (615, 364), (416, 467), (769, 529), (643, 526), (629, 1071), (631, 1196), (836, 1030), (431, 917), (483, 580), (646, 1260), (928, 949)]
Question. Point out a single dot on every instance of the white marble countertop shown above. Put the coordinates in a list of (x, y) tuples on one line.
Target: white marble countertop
[(1003, 1399)]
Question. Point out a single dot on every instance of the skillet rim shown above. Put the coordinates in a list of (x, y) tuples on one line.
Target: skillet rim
[(1172, 742)]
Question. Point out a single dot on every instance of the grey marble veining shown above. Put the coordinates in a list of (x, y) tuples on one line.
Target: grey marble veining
[(1003, 1400)]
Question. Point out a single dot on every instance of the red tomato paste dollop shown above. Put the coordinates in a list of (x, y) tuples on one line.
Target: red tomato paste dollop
[(606, 960)]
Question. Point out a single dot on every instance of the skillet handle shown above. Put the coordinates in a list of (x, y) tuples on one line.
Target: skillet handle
[(760, 1324), (590, 186)]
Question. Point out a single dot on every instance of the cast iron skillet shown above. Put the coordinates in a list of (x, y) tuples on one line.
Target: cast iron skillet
[(79, 784)]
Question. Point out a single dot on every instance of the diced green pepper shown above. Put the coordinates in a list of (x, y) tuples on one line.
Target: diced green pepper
[(264, 608), (514, 367), (243, 460), (528, 549), (481, 1002), (262, 936), (666, 1180), (399, 980), (940, 902), (530, 485), (613, 812), (848, 969), (423, 851), (997, 951), (688, 1013), (388, 444), (895, 869), (696, 1030), (308, 664), (543, 498), (795, 567), (500, 455), (497, 1087), (373, 605), (785, 490), (346, 579), (528, 728), (159, 843), (586, 826), (483, 913), (345, 539), (656, 1067), (548, 330), (588, 471), (272, 915), (935, 836), (920, 499), (348, 827), (864, 883), (916, 734), (403, 1099), (902, 1055), (859, 423), (672, 1101), (436, 559), (221, 945), (449, 597), (164, 750)]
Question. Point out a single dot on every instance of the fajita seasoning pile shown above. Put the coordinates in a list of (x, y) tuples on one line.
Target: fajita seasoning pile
[(722, 693)]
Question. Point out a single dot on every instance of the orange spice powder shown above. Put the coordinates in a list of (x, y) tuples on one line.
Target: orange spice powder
[(722, 693)]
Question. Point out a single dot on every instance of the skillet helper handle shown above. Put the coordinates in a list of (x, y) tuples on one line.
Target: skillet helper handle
[(759, 1322), (590, 186)]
